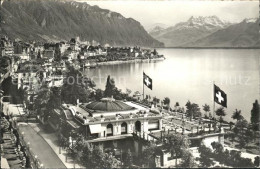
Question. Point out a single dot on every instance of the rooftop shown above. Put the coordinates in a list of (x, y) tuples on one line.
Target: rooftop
[(108, 105)]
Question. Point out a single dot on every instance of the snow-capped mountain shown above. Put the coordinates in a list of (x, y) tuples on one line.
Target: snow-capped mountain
[(243, 34), (250, 20), (191, 30), (210, 23)]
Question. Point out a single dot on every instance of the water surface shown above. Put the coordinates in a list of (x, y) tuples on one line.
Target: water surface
[(188, 74)]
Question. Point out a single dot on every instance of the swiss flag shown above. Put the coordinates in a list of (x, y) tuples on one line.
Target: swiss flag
[(147, 81), (220, 96)]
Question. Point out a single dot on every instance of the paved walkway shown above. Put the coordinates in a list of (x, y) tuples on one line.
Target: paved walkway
[(52, 140), (40, 147), (37, 136)]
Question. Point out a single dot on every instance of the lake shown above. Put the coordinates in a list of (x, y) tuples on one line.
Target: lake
[(188, 74)]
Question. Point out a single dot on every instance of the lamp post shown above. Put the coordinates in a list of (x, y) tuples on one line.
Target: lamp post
[(60, 137), (72, 150), (60, 146), (35, 162), (66, 156), (1, 91), (121, 156), (28, 145)]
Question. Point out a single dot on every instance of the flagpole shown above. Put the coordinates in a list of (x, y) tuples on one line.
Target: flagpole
[(214, 99), (143, 85)]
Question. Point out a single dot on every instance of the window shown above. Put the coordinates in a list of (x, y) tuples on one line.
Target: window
[(123, 128)]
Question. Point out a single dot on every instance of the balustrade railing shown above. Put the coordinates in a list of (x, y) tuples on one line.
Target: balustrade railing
[(34, 160)]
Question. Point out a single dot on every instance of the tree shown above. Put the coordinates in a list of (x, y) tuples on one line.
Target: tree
[(218, 151), (97, 157), (206, 108), (155, 101), (187, 160), (235, 158), (39, 54), (167, 101), (75, 87), (249, 135), (110, 161), (155, 52), (218, 147), (239, 129), (86, 156), (256, 162), (55, 98), (149, 154), (237, 115), (57, 52), (21, 93), (128, 91), (99, 94), (177, 106), (255, 118), (4, 64), (110, 86), (93, 157), (176, 144), (193, 110), (205, 154), (128, 162), (220, 112), (42, 100)]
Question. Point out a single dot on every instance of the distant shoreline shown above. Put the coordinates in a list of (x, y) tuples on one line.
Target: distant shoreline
[(209, 47), (127, 61)]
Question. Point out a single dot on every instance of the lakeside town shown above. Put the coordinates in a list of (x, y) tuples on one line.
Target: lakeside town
[(54, 116)]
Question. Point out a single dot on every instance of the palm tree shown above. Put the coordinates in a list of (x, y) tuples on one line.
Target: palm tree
[(192, 110), (237, 115), (206, 108), (167, 101), (220, 112), (176, 106)]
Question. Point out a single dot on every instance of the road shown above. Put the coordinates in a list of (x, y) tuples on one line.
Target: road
[(41, 148)]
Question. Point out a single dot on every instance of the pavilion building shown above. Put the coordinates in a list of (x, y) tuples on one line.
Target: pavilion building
[(107, 122)]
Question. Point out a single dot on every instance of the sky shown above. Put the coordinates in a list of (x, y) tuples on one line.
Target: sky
[(171, 12)]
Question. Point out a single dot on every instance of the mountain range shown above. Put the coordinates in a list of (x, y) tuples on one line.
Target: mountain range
[(209, 32), (56, 20)]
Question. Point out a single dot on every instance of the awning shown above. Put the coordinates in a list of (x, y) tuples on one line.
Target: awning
[(95, 128), (4, 163)]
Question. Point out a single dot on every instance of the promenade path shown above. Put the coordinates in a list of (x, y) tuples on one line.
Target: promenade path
[(40, 147), (48, 138), (51, 138)]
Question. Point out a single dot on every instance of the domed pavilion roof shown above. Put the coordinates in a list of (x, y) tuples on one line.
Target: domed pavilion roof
[(109, 105)]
